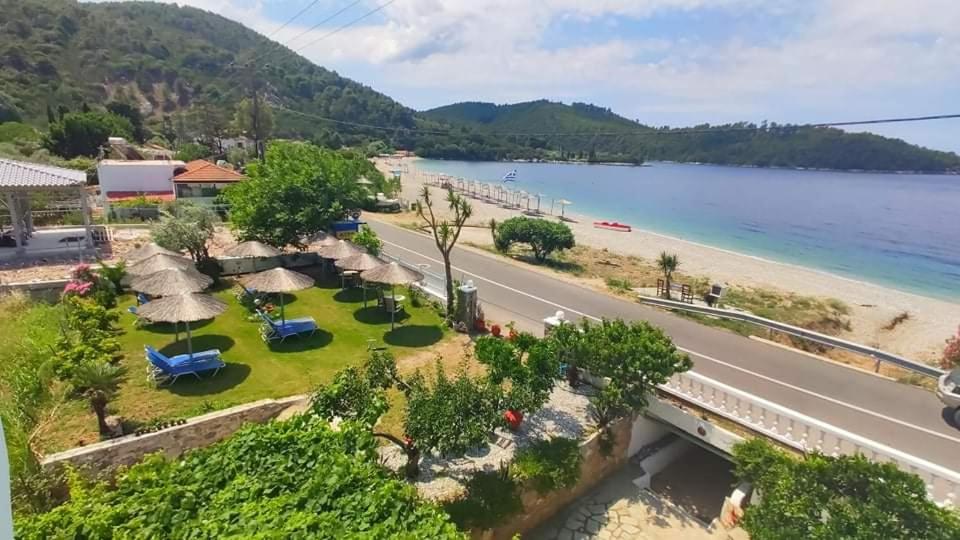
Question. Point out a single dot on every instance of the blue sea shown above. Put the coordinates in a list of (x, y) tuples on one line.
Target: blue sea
[(897, 230)]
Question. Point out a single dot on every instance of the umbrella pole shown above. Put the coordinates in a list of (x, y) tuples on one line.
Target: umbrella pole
[(393, 309), (283, 319), (189, 340), (176, 332), (363, 286)]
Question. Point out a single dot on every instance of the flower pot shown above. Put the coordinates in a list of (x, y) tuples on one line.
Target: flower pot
[(514, 418)]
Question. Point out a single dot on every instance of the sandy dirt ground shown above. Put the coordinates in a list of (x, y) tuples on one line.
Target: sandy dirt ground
[(931, 321)]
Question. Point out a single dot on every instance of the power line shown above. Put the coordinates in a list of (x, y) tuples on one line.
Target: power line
[(346, 25), (291, 19), (646, 131)]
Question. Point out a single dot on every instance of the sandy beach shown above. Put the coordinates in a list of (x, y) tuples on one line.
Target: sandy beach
[(921, 337)]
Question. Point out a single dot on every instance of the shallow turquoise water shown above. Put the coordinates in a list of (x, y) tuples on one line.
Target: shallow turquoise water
[(897, 230)]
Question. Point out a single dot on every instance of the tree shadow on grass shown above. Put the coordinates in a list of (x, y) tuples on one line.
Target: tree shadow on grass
[(200, 343), (228, 377), (354, 295), (374, 314), (307, 342), (170, 328), (415, 335)]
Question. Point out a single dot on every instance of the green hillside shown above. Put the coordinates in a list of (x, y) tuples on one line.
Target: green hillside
[(175, 64), (582, 131)]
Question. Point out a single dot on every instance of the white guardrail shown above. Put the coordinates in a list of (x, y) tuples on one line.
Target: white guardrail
[(434, 285), (823, 339), (804, 432)]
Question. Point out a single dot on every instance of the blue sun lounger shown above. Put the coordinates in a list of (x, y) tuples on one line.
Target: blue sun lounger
[(272, 330), (162, 369)]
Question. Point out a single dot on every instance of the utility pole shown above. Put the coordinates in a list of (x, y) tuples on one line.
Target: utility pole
[(255, 108)]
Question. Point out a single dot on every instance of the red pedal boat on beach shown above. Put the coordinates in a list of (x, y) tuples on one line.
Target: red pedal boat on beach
[(612, 226)]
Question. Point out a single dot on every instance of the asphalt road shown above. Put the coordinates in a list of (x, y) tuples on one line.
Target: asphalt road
[(898, 415)]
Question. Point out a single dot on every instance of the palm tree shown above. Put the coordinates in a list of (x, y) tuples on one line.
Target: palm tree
[(99, 382), (668, 265)]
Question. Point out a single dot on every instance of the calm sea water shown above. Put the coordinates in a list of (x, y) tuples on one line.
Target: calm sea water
[(897, 230)]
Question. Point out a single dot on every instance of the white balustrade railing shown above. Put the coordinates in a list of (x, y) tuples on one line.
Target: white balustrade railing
[(804, 432)]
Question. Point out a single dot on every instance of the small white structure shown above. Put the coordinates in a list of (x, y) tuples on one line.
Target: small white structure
[(120, 179)]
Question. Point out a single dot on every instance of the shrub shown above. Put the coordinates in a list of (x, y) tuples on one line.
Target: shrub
[(549, 465), (293, 479), (951, 353), (367, 238), (543, 237), (492, 497)]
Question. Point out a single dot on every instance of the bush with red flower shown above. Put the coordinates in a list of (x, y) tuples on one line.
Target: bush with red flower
[(86, 283), (951, 353)]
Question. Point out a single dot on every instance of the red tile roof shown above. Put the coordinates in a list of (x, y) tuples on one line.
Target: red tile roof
[(204, 171)]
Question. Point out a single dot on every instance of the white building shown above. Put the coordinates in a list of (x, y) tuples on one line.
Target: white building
[(120, 180)]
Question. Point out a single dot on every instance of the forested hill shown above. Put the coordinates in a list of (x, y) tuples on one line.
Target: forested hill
[(166, 59), (582, 131), (175, 64)]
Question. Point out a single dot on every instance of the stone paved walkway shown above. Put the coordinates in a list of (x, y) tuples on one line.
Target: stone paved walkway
[(619, 509)]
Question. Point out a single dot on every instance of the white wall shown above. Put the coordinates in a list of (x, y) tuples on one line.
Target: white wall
[(136, 175)]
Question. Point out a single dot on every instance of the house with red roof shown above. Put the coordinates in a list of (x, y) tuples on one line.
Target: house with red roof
[(201, 181)]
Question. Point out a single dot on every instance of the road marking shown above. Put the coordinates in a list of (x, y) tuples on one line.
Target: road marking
[(706, 357)]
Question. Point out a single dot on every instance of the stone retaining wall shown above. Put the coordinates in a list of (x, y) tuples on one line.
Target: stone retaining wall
[(596, 466), (200, 431), (47, 291)]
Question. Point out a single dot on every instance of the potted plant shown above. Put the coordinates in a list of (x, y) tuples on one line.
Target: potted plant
[(514, 418), (495, 330)]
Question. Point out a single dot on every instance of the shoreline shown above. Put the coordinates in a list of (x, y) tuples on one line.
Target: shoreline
[(872, 305)]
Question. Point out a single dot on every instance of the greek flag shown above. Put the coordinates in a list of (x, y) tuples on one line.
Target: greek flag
[(510, 176)]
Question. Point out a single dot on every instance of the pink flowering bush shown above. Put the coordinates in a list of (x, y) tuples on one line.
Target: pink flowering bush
[(78, 288), (951, 353), (87, 283)]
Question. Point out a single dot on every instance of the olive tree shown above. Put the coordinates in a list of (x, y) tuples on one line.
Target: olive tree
[(188, 228), (543, 237)]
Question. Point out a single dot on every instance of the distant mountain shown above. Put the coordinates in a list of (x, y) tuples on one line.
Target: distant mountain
[(587, 132)]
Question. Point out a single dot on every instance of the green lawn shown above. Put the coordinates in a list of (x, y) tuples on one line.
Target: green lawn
[(255, 370)]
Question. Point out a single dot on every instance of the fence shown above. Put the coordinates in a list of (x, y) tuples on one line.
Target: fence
[(823, 339), (805, 433), (433, 284)]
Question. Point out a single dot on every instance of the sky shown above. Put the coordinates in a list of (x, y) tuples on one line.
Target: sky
[(662, 62)]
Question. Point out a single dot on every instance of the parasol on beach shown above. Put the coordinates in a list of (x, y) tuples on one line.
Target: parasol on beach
[(563, 206), (182, 308), (392, 274), (159, 261), (341, 250), (278, 280), (148, 250), (252, 248)]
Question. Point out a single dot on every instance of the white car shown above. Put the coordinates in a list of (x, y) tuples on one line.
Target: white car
[(948, 391)]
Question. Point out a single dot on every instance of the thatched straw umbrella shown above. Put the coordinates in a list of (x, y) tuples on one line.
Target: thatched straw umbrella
[(170, 281), (148, 250), (182, 308), (320, 240), (278, 280), (341, 250), (392, 274), (160, 261), (252, 248), (360, 263)]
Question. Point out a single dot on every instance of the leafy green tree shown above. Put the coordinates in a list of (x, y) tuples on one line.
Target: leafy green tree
[(131, 113), (9, 112), (447, 415), (87, 337), (821, 497), (293, 479), (530, 365), (634, 357), (82, 134), (189, 228), (258, 129), (668, 264), (367, 238), (213, 124), (543, 237), (445, 231), (191, 151), (99, 382), (297, 190)]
